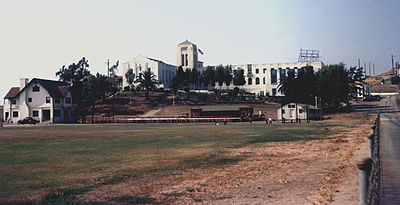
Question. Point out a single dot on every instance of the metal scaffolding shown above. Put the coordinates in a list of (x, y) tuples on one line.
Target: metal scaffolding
[(307, 55)]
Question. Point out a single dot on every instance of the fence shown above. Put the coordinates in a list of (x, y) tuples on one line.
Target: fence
[(369, 169)]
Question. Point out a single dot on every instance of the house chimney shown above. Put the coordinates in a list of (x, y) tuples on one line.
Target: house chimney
[(23, 82)]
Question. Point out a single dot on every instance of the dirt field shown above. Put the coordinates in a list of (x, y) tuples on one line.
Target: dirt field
[(316, 168), (299, 172)]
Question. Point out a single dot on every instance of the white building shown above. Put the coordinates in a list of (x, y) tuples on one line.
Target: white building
[(187, 56), (291, 111), (264, 79), (163, 71), (44, 100)]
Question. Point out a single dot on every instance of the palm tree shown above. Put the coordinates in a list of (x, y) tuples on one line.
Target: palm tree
[(148, 82)]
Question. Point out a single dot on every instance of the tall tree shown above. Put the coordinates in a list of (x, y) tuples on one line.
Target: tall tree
[(75, 74), (228, 76), (113, 69), (148, 82), (130, 78), (194, 78), (220, 75), (333, 86), (93, 90), (209, 76), (238, 77)]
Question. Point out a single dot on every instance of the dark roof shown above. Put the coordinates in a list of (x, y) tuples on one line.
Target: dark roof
[(12, 93), (159, 61), (222, 107), (186, 42), (54, 88)]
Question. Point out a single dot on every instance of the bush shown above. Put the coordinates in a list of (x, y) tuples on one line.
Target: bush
[(395, 80)]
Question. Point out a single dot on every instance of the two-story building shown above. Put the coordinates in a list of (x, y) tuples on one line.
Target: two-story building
[(44, 100)]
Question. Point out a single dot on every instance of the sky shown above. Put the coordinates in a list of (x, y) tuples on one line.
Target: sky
[(38, 37)]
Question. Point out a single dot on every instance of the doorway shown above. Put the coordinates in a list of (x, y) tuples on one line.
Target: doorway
[(45, 115)]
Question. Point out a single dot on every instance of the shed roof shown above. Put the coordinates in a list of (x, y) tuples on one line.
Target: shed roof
[(222, 108)]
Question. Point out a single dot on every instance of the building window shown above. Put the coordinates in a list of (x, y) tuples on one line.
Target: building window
[(35, 88), (35, 113), (257, 81), (273, 91), (15, 113), (282, 75), (183, 60), (250, 81), (257, 70), (263, 80), (274, 78), (57, 100), (29, 99), (67, 100), (47, 99), (264, 70), (291, 106), (283, 111), (57, 113), (301, 111), (249, 69), (13, 101)]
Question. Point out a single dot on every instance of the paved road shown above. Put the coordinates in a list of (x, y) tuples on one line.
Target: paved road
[(390, 157)]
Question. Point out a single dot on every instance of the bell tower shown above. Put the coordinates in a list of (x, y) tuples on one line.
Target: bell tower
[(186, 55)]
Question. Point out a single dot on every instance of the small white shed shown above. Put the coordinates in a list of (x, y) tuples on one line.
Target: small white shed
[(289, 111)]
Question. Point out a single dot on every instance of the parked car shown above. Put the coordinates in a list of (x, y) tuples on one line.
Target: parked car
[(27, 120)]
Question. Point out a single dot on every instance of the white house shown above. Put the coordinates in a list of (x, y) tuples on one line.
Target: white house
[(44, 100), (163, 71), (291, 111)]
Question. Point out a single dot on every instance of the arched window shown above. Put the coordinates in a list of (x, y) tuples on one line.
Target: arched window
[(250, 81), (257, 81)]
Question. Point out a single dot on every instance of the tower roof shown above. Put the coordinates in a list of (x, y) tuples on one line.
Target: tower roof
[(186, 42)]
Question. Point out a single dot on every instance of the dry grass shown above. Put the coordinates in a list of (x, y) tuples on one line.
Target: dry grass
[(38, 160)]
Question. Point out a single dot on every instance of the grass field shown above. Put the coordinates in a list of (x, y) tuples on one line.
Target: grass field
[(36, 162)]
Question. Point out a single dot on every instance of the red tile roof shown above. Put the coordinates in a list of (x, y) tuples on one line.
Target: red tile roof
[(12, 93)]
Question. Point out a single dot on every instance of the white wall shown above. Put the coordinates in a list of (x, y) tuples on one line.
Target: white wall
[(268, 86), (141, 63)]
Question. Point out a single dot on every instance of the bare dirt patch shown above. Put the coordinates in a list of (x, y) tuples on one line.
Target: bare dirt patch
[(298, 172)]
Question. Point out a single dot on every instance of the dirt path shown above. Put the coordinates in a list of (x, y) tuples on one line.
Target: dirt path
[(302, 172)]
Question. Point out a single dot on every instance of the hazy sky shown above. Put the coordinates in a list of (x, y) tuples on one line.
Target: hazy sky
[(38, 37)]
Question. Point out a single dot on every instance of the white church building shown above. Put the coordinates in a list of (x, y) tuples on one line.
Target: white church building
[(262, 79)]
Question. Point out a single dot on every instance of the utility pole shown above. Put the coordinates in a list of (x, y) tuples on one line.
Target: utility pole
[(108, 67), (373, 67), (392, 66), (365, 69), (359, 63), (369, 67)]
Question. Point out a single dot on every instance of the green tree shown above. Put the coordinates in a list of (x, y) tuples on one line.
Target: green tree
[(220, 75), (333, 86), (130, 78), (209, 76), (194, 78), (228, 76), (75, 74), (148, 82), (238, 77), (92, 90)]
